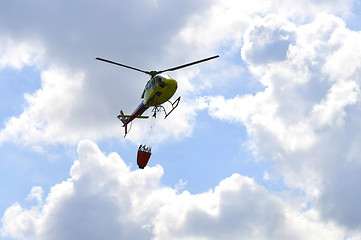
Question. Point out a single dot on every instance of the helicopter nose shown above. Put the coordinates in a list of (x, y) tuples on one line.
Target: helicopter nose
[(171, 83)]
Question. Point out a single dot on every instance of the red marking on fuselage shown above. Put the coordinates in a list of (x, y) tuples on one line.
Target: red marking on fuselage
[(137, 112)]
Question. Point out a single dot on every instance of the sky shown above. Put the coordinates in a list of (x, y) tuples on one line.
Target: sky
[(265, 143)]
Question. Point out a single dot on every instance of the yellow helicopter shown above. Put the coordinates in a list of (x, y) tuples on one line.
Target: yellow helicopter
[(158, 90)]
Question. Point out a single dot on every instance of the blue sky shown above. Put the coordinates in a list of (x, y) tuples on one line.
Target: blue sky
[(265, 143)]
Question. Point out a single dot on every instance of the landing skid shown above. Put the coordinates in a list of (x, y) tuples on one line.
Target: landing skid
[(160, 108)]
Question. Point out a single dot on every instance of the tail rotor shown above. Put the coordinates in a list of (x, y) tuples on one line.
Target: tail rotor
[(123, 119)]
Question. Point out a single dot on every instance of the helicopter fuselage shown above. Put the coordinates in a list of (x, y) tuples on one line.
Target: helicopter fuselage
[(158, 90)]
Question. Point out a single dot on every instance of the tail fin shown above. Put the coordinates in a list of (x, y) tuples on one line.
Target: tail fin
[(121, 117), (124, 121)]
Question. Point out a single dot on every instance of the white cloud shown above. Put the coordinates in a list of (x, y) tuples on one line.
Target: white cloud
[(68, 40), (104, 199), (36, 193), (17, 54), (81, 97), (307, 118), (268, 40), (48, 117), (332, 108)]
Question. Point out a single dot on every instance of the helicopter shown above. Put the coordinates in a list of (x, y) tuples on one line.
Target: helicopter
[(159, 89)]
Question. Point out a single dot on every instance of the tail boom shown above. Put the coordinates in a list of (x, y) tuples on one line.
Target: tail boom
[(126, 119)]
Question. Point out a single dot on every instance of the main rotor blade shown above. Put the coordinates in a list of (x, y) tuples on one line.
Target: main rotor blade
[(188, 64), (122, 65)]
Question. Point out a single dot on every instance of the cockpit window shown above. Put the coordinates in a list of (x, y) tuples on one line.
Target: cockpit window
[(160, 81), (153, 83), (159, 78), (165, 76)]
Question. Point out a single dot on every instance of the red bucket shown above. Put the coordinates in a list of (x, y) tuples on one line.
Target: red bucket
[(143, 158)]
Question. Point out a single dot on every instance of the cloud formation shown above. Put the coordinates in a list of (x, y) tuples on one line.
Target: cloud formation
[(102, 198), (81, 97), (62, 45), (307, 117)]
